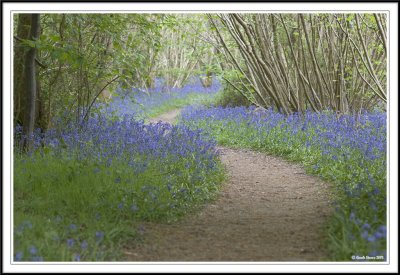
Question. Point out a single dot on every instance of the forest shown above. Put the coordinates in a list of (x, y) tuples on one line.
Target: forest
[(132, 130)]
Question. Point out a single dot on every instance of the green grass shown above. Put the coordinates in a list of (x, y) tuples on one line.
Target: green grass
[(66, 209), (177, 103)]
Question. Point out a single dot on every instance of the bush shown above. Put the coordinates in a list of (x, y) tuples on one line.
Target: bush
[(229, 97)]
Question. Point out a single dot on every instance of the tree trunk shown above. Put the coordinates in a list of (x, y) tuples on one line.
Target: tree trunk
[(30, 80), (24, 22), (206, 81)]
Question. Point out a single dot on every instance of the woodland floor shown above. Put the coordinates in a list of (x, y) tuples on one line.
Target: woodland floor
[(267, 210)]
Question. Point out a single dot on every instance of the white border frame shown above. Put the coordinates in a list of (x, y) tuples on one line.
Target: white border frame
[(103, 267)]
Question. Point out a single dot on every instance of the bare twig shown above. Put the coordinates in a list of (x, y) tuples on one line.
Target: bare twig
[(94, 99)]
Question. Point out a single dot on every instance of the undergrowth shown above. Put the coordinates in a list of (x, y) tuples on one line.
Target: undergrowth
[(348, 152), (82, 193)]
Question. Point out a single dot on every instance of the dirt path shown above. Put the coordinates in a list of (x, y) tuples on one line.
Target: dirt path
[(166, 117), (269, 210)]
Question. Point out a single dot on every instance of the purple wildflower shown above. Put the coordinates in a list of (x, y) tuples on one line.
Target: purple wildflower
[(70, 242)]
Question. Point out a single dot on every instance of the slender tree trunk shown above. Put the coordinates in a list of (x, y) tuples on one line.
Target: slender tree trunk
[(24, 22), (30, 80)]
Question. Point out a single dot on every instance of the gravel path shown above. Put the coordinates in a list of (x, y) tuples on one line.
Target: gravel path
[(268, 210)]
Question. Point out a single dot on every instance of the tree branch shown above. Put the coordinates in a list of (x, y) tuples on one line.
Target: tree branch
[(94, 99)]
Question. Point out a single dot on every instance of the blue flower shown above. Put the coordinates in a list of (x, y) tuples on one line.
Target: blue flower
[(134, 208), (27, 224), (366, 226), (376, 191), (365, 234), (73, 227), (382, 230), (37, 258), (99, 235), (84, 245), (371, 239), (169, 186), (33, 250), (379, 235), (373, 206), (70, 242), (18, 256)]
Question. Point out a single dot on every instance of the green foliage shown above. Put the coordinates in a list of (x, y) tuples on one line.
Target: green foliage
[(82, 53), (71, 210), (177, 103), (230, 97), (184, 51)]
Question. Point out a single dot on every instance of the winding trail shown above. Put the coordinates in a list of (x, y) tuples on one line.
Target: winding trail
[(268, 210)]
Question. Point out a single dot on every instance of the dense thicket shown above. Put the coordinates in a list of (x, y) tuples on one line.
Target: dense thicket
[(296, 62)]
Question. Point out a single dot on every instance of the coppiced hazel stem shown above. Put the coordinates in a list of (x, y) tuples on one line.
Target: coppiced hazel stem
[(371, 69), (315, 67), (382, 33)]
